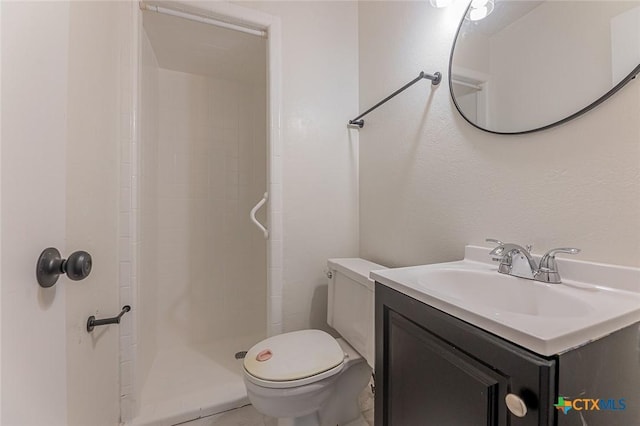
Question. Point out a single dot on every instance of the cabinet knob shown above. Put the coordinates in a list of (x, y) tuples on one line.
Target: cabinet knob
[(516, 405)]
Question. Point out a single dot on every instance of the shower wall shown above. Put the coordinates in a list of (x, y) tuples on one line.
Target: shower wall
[(202, 264), (211, 171), (148, 218)]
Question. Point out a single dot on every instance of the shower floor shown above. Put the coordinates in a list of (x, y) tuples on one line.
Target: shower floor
[(190, 382)]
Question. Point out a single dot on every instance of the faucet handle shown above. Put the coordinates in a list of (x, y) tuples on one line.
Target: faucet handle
[(548, 270), (493, 240), (549, 258)]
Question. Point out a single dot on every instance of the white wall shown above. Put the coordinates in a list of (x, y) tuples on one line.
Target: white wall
[(430, 183), (568, 63), (34, 133), (320, 177), (474, 53), (97, 36), (625, 43)]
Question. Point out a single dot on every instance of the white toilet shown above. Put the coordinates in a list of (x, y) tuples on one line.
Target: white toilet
[(309, 378)]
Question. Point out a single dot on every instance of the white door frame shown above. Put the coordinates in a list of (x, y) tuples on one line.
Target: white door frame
[(245, 17)]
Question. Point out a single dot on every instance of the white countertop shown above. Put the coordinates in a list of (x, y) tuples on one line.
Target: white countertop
[(592, 301)]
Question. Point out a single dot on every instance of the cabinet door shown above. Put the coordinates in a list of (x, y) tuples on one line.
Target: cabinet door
[(434, 369), (433, 383)]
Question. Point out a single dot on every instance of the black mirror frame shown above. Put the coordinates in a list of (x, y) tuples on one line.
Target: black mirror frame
[(632, 75)]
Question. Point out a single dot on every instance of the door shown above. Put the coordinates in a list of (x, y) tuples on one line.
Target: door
[(34, 131), (62, 121), (467, 392), (434, 369)]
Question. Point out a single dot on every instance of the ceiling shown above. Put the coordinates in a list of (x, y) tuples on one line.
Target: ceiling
[(504, 14), (198, 48)]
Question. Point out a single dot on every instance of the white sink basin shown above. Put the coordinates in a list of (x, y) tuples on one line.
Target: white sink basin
[(545, 318), (503, 293)]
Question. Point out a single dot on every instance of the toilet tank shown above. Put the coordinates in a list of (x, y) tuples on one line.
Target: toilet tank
[(350, 308)]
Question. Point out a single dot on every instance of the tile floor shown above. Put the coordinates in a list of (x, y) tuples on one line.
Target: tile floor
[(248, 416)]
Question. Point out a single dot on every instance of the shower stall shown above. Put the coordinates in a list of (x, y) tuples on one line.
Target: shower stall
[(205, 280)]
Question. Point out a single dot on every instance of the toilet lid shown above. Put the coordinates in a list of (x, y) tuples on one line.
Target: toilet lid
[(293, 356)]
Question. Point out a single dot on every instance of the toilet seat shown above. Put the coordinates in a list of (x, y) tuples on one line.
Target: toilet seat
[(297, 358)]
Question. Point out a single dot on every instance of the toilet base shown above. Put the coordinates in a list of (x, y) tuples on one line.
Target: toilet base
[(360, 421), (313, 420), (328, 402), (342, 408), (308, 420), (336, 399)]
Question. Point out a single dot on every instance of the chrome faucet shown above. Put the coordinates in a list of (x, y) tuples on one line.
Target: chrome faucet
[(517, 261)]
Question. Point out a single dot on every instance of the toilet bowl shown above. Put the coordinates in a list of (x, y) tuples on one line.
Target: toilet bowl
[(308, 377)]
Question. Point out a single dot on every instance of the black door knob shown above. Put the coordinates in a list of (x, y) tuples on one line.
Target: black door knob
[(77, 266), (50, 265)]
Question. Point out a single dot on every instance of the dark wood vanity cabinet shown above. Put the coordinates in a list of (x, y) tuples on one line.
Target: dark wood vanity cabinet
[(434, 369)]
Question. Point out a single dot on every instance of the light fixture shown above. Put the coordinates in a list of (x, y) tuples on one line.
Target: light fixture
[(440, 3), (480, 9), (477, 4)]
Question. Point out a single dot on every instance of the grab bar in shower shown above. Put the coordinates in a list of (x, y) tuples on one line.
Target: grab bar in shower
[(252, 215)]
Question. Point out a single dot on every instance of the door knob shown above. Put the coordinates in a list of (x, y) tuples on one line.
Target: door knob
[(50, 265), (516, 405)]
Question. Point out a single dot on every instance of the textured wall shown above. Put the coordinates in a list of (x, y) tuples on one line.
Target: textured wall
[(320, 175), (430, 183)]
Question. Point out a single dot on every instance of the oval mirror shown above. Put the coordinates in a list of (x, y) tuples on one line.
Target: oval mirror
[(522, 66)]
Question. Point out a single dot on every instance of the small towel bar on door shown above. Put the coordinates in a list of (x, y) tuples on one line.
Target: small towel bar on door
[(435, 80), (92, 322)]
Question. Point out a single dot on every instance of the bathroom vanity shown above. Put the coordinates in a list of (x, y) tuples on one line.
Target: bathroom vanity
[(439, 361)]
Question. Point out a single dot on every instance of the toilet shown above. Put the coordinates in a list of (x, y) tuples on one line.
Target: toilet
[(308, 377)]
